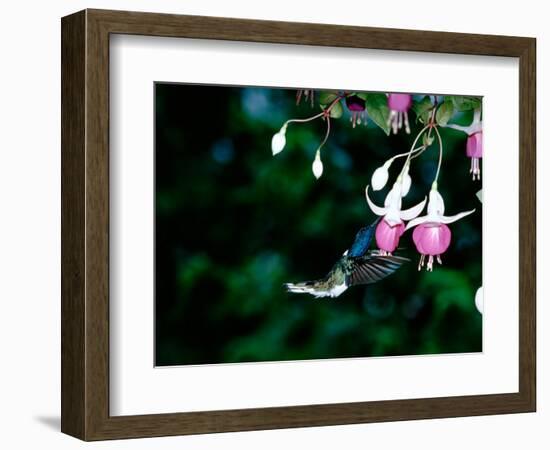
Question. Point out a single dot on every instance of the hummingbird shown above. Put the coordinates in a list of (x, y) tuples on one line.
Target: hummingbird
[(358, 265)]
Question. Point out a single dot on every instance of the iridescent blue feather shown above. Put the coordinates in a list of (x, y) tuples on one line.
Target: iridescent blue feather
[(363, 239)]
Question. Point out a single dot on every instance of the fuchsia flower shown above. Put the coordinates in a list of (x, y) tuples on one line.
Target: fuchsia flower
[(391, 227), (432, 239), (474, 150), (356, 106), (399, 105), (432, 236), (387, 236), (474, 143)]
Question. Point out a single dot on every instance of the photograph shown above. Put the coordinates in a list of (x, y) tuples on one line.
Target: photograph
[(307, 224)]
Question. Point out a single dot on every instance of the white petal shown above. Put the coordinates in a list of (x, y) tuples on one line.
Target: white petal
[(405, 184), (451, 219), (317, 166), (475, 128), (378, 210), (479, 300), (278, 143), (436, 206), (393, 199), (392, 218), (411, 213), (418, 221)]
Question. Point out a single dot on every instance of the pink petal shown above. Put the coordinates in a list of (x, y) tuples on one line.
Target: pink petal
[(474, 145), (399, 102), (432, 238), (387, 236)]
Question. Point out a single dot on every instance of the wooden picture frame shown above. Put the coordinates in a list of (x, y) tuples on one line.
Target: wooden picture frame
[(85, 224)]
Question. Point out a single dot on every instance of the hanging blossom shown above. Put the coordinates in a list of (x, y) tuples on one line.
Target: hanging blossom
[(380, 177), (392, 226), (474, 151), (431, 235), (278, 141), (474, 143), (399, 105), (317, 166), (390, 229), (357, 107), (381, 174)]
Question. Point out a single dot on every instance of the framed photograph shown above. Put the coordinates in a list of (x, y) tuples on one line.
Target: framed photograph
[(273, 225)]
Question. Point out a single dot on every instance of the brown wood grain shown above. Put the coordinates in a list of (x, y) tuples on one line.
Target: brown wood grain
[(85, 224), (73, 111)]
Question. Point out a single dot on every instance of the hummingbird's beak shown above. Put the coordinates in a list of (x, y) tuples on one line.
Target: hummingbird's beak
[(378, 219)]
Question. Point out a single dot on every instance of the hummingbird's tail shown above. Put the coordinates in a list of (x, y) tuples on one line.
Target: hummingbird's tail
[(307, 287), (318, 288)]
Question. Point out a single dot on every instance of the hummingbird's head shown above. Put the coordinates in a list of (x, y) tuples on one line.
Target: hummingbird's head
[(366, 234)]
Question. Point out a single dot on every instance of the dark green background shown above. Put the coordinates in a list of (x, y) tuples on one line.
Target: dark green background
[(233, 223)]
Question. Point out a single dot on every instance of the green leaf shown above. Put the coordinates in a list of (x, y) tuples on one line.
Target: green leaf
[(377, 107), (362, 95), (327, 97), (462, 103), (336, 111), (444, 112), (423, 109)]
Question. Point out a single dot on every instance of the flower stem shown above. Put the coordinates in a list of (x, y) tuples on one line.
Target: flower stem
[(440, 155), (410, 152), (323, 142), (323, 113), (432, 121), (413, 151)]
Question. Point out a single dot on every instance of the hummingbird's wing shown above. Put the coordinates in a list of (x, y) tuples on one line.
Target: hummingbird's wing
[(372, 268)]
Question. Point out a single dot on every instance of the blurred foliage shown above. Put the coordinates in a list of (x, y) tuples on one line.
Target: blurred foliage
[(233, 223)]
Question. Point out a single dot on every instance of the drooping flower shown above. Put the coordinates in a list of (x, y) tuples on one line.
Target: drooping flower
[(432, 236), (474, 151), (431, 239), (357, 107), (391, 227), (474, 143), (399, 105), (317, 166), (380, 176), (278, 141), (387, 236)]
